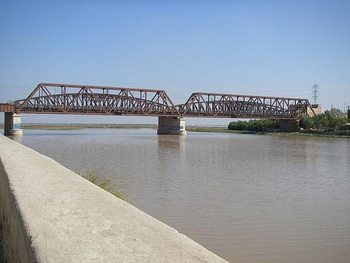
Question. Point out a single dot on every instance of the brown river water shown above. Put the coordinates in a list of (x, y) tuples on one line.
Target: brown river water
[(247, 198)]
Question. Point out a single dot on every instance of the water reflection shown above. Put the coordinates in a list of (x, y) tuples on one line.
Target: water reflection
[(172, 141)]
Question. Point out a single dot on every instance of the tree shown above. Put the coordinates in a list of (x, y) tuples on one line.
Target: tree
[(239, 125), (254, 125), (334, 112), (306, 122), (329, 120)]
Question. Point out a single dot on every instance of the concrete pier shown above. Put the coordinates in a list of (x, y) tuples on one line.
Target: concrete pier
[(171, 125), (13, 124), (289, 125)]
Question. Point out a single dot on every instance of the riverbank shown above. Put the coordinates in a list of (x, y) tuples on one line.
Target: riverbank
[(308, 133), (84, 126)]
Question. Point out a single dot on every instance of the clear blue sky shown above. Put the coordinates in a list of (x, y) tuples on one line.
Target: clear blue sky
[(274, 48)]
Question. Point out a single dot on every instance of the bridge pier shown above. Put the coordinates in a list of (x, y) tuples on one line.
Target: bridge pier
[(13, 124), (171, 125), (289, 125)]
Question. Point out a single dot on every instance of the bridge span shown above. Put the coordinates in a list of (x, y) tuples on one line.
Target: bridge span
[(54, 98)]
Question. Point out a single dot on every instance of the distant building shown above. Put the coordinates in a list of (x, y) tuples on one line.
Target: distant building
[(317, 108)]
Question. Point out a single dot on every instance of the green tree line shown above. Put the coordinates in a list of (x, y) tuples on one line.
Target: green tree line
[(333, 119), (254, 125)]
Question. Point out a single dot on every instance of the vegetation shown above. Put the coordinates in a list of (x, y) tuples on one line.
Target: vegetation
[(255, 125), (331, 123), (98, 178), (331, 120), (215, 129)]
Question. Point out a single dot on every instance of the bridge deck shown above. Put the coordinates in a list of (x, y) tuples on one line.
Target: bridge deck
[(6, 107)]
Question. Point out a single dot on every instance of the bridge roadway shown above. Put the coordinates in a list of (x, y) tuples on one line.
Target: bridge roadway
[(53, 98)]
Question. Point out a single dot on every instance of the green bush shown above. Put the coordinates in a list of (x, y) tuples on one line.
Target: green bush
[(306, 122), (239, 126), (329, 120), (254, 125)]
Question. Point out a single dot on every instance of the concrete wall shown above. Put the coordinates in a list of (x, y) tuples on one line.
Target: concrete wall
[(171, 125), (317, 110), (51, 214)]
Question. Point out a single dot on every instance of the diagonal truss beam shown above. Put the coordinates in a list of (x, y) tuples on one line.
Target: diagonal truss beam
[(243, 106), (82, 99)]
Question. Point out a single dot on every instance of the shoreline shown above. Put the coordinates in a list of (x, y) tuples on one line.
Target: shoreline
[(194, 128), (303, 133), (86, 126)]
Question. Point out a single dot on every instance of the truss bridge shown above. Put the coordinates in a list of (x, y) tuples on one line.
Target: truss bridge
[(53, 98)]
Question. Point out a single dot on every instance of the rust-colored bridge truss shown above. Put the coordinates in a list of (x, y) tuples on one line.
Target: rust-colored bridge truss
[(243, 106), (53, 98), (82, 99)]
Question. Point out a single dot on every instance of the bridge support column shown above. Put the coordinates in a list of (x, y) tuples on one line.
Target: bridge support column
[(171, 125), (289, 125), (13, 124)]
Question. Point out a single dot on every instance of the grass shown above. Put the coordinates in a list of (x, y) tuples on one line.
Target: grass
[(335, 134), (98, 178), (86, 126), (51, 127)]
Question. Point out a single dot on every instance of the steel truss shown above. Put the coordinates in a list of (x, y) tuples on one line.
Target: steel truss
[(243, 106), (82, 99), (91, 100)]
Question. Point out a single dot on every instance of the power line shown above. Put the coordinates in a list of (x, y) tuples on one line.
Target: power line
[(315, 93)]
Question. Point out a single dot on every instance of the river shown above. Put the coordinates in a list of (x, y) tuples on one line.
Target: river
[(247, 198)]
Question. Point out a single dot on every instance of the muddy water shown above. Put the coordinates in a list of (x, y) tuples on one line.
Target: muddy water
[(248, 198)]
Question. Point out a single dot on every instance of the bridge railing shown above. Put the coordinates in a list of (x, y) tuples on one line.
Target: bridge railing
[(82, 99)]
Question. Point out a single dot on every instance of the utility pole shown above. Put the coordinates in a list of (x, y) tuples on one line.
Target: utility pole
[(315, 93)]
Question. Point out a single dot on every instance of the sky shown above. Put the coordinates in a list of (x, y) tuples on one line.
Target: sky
[(266, 48)]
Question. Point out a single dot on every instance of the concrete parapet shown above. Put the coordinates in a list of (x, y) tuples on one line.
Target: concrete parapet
[(171, 125), (50, 214)]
